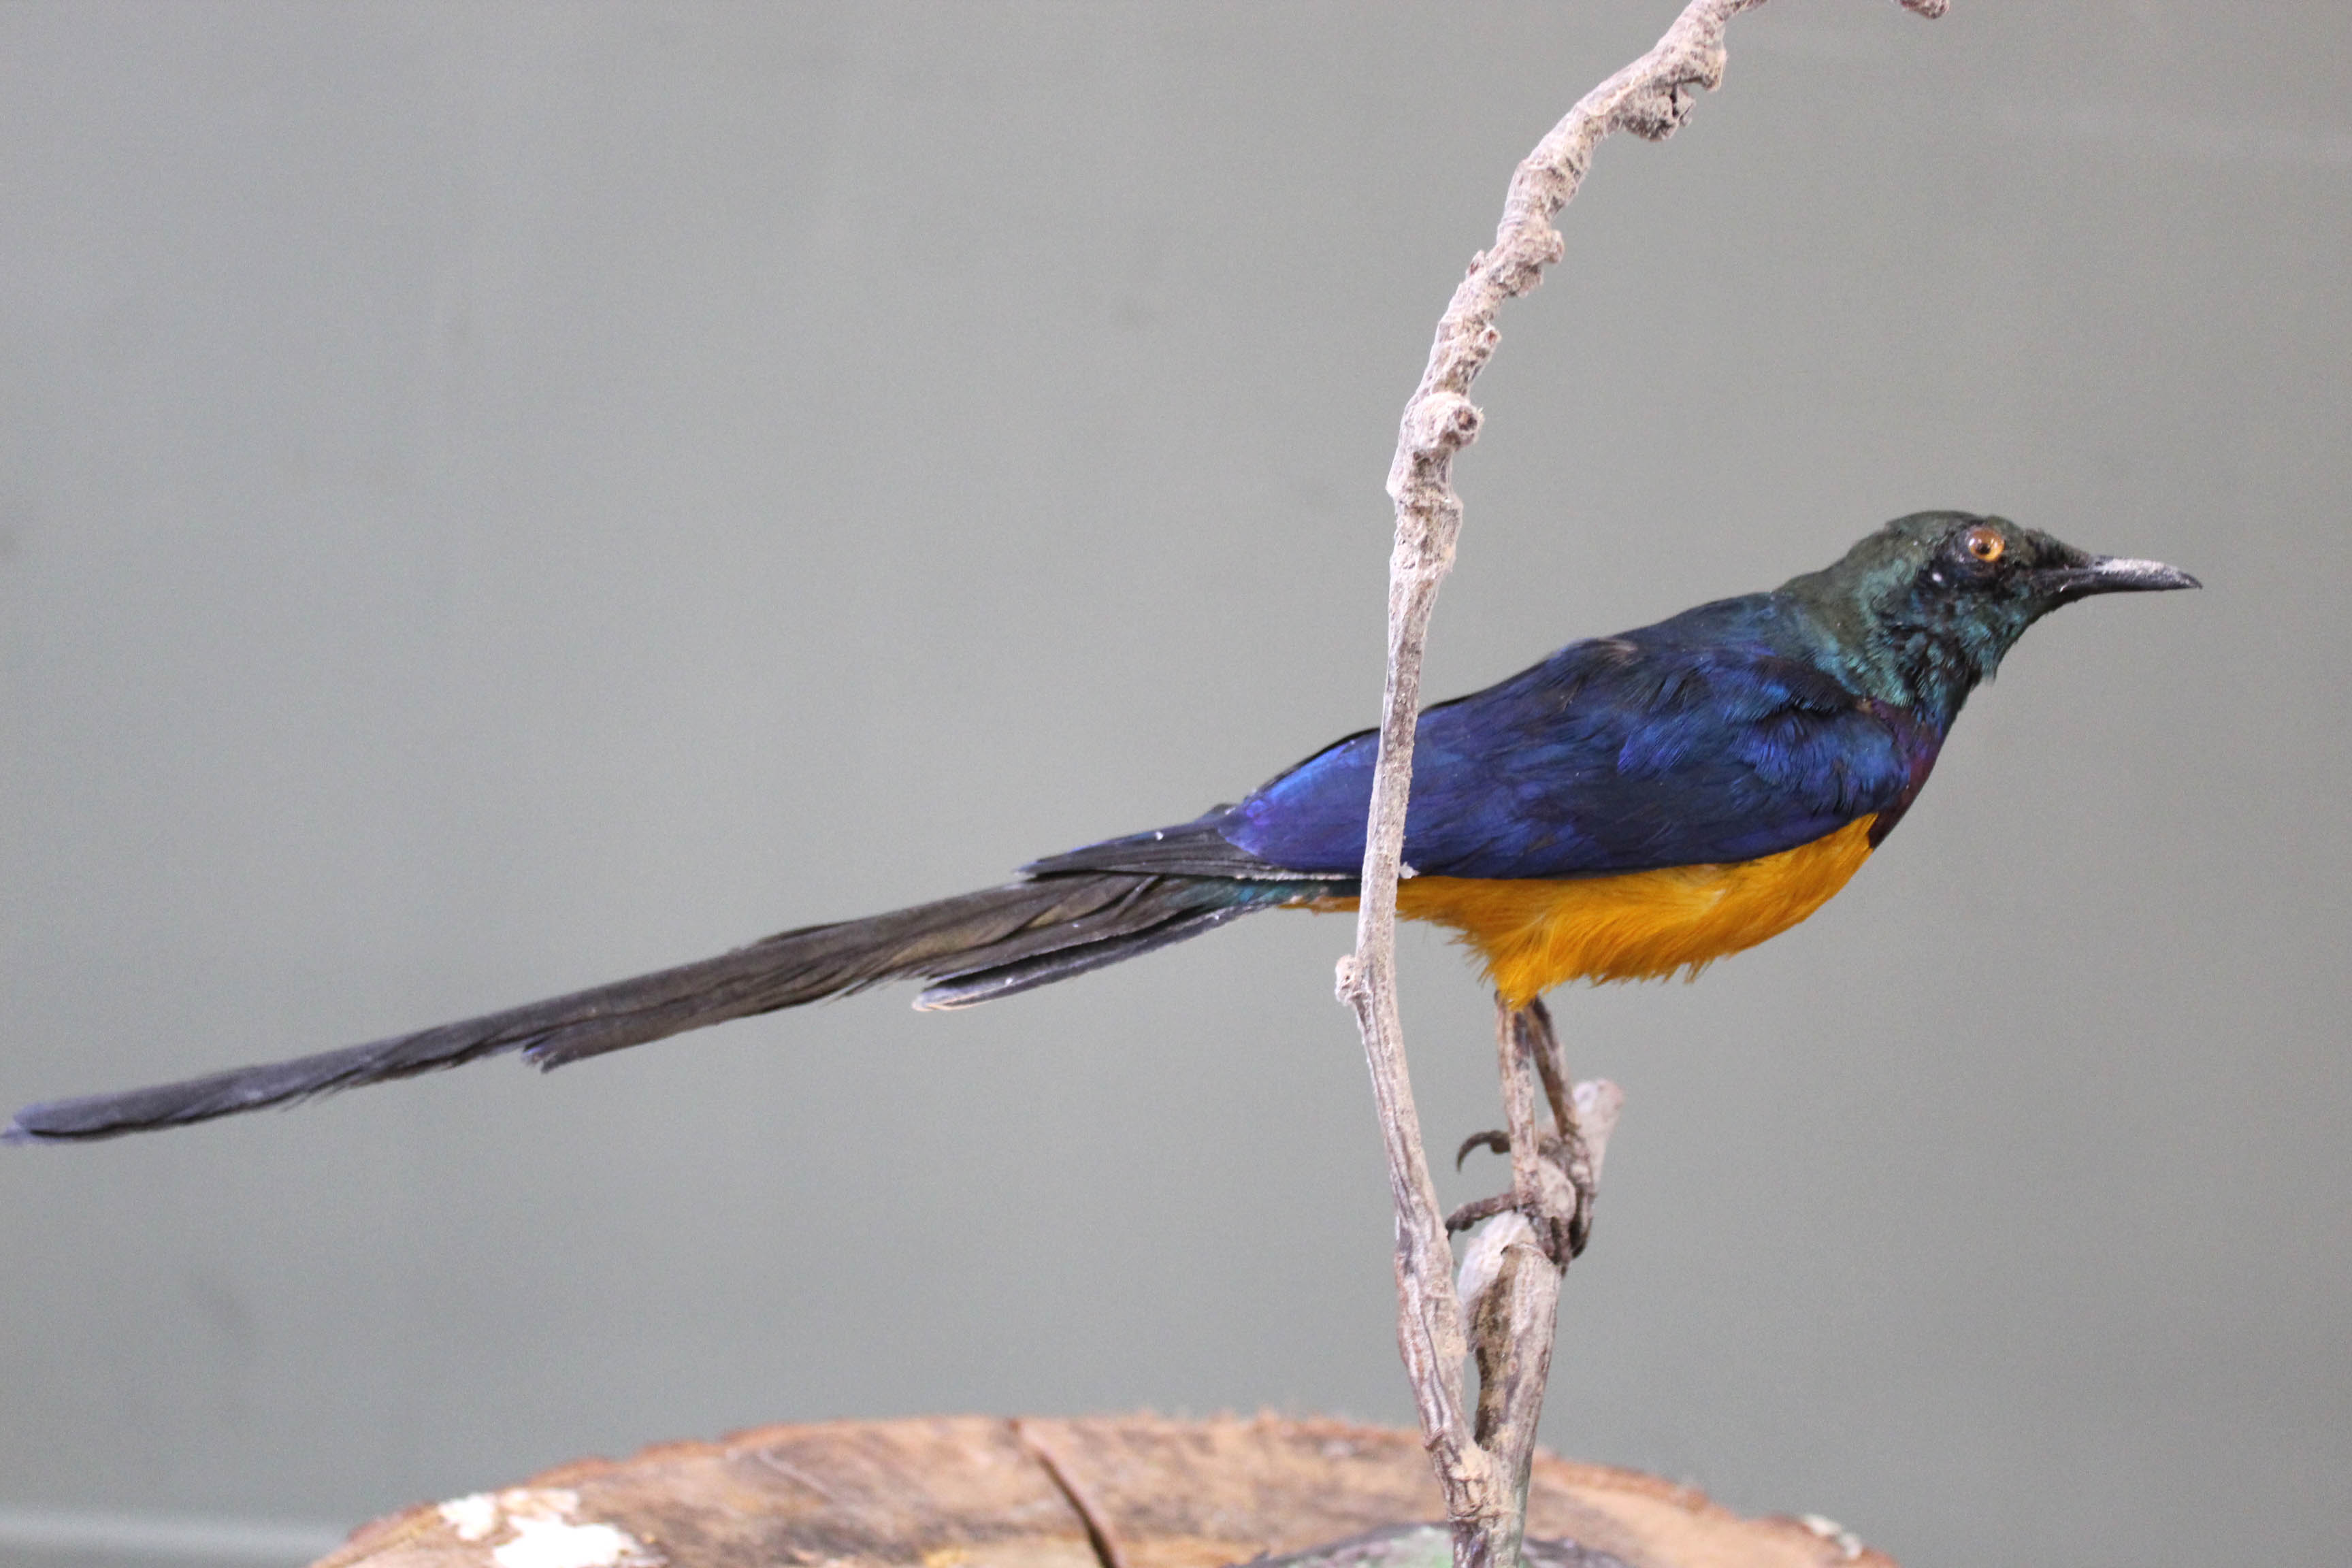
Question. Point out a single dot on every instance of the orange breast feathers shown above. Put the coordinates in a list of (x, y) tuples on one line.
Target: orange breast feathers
[(1535, 934)]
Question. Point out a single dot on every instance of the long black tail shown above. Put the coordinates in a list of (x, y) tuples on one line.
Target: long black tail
[(973, 949)]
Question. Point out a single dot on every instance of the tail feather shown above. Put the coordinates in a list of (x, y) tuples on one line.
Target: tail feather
[(970, 987), (974, 947)]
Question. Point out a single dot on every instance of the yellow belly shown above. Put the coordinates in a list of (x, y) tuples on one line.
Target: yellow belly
[(1535, 934)]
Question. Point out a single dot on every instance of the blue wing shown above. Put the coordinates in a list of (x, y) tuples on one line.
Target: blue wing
[(1705, 738), (1690, 742)]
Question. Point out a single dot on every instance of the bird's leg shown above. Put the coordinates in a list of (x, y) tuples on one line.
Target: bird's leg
[(1552, 1063), (1542, 1167), (1554, 1175), (1573, 1155)]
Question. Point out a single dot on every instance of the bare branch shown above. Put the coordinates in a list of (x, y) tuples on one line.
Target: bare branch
[(1599, 1103), (1651, 97), (1513, 1322)]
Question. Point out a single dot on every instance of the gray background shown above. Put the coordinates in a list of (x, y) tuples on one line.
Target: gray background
[(495, 497)]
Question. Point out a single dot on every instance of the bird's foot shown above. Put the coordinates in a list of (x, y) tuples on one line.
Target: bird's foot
[(1493, 1142), (1561, 1209), (1476, 1210)]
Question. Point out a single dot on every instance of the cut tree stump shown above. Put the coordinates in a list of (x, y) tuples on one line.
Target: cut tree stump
[(1132, 1491)]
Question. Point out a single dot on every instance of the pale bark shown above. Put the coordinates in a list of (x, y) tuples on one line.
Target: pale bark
[(1484, 1489)]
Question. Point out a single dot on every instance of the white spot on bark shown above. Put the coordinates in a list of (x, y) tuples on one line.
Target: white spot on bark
[(542, 1532), (1848, 1544), (473, 1518), (554, 1543)]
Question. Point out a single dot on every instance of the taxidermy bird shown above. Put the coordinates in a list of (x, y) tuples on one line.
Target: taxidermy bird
[(1632, 807)]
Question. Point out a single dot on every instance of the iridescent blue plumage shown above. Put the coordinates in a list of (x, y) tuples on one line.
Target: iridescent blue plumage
[(1631, 806), (1710, 737)]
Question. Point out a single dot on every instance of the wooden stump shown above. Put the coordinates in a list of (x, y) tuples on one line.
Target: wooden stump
[(1134, 1492)]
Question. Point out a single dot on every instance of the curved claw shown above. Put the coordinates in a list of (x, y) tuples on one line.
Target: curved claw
[(1476, 1210), (1494, 1143)]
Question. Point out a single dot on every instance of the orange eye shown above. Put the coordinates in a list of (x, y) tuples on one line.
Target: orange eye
[(1984, 545)]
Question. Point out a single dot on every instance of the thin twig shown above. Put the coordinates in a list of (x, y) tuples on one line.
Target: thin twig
[(1599, 1103), (1651, 97)]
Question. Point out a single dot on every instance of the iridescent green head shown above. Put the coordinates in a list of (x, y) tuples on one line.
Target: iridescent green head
[(1926, 607)]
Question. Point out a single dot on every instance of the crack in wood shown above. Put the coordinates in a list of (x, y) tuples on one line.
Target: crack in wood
[(1098, 1536)]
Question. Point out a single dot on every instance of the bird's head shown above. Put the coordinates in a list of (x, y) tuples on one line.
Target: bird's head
[(1924, 608)]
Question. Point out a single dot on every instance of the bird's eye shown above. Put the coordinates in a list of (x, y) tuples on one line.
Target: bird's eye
[(1986, 544)]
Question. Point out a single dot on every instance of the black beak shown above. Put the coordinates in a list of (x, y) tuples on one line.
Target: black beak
[(2111, 574)]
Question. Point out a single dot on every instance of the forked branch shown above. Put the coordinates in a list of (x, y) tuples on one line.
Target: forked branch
[(1651, 97)]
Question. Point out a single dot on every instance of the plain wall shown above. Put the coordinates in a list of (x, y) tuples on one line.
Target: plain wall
[(493, 498)]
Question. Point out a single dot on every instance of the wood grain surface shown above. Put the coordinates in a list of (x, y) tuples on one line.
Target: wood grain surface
[(1131, 1491)]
